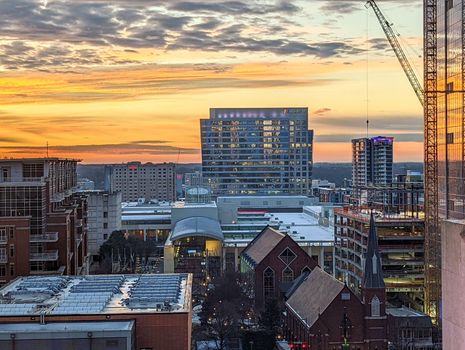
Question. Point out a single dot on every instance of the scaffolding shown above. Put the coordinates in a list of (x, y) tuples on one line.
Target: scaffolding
[(432, 229)]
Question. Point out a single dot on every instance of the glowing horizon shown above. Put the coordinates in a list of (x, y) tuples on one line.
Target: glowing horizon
[(112, 81)]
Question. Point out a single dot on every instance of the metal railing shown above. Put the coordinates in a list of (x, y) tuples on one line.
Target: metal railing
[(51, 255), (46, 237)]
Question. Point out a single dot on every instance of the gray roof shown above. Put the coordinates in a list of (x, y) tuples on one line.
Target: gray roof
[(263, 244), (199, 226), (373, 276), (313, 296)]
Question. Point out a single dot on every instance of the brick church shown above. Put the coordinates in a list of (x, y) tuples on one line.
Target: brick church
[(323, 313)]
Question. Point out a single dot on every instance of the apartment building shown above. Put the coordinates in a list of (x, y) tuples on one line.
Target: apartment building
[(136, 180), (43, 222)]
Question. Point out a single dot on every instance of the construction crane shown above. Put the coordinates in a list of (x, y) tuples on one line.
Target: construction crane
[(392, 38)]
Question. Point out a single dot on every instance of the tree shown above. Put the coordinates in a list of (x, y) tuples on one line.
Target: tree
[(225, 307), (270, 319)]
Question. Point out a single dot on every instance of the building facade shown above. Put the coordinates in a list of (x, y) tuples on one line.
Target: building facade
[(120, 312), (272, 261), (372, 160), (444, 116), (43, 222), (401, 245), (136, 181), (104, 217), (324, 313), (250, 151)]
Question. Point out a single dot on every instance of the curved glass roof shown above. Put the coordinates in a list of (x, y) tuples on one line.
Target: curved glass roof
[(198, 226)]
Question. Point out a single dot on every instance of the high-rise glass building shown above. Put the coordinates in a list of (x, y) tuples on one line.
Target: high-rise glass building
[(444, 81), (372, 160), (250, 151)]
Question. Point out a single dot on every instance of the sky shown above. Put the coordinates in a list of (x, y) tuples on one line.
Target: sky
[(125, 80)]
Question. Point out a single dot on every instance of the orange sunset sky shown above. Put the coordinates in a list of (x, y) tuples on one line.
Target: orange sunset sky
[(122, 80)]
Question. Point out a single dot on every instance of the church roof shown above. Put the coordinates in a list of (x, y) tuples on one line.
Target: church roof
[(373, 274), (313, 295), (262, 245)]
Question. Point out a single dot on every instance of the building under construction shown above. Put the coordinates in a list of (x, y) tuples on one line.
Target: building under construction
[(399, 218), (444, 79)]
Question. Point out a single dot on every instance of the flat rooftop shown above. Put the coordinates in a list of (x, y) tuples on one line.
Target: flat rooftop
[(364, 216), (404, 312), (96, 294)]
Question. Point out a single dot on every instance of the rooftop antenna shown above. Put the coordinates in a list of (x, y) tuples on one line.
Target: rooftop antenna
[(368, 126), (47, 149)]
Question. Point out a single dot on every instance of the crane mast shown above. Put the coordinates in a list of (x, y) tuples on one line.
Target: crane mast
[(392, 38)]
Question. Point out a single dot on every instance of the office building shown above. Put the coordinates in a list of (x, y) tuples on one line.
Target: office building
[(252, 151), (372, 161), (121, 312), (104, 217), (137, 181), (43, 222)]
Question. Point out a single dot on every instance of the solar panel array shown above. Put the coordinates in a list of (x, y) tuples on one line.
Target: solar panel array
[(154, 291), (91, 295), (16, 309), (39, 285)]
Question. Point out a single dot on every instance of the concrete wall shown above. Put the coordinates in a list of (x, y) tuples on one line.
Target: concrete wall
[(453, 284)]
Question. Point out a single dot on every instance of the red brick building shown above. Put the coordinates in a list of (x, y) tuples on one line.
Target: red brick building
[(324, 313), (274, 260), (42, 221), (114, 312)]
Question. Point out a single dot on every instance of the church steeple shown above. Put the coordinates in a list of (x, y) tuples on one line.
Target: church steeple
[(373, 275)]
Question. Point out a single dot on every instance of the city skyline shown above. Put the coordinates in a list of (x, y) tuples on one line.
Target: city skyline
[(109, 82)]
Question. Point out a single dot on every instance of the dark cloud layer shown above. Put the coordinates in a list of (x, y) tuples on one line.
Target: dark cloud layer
[(136, 147), (72, 34)]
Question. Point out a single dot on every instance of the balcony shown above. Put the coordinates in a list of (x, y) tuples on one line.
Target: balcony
[(47, 237), (50, 255)]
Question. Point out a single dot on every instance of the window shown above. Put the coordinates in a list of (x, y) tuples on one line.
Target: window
[(3, 256), (12, 269), (450, 138), (268, 283), (288, 275), (105, 225), (375, 307), (449, 5), (12, 233), (105, 236), (12, 250), (287, 256), (306, 269), (105, 214), (2, 270), (2, 234)]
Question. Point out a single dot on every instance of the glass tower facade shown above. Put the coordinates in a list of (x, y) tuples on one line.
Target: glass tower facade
[(450, 112), (254, 151)]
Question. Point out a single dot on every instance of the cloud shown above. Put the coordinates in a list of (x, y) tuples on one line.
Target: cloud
[(322, 111), (389, 123), (405, 137), (74, 35), (152, 148)]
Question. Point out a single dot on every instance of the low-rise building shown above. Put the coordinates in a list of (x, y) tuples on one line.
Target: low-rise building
[(123, 312), (409, 329)]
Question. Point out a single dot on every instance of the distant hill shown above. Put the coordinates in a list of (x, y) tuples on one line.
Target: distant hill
[(336, 172), (333, 172)]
